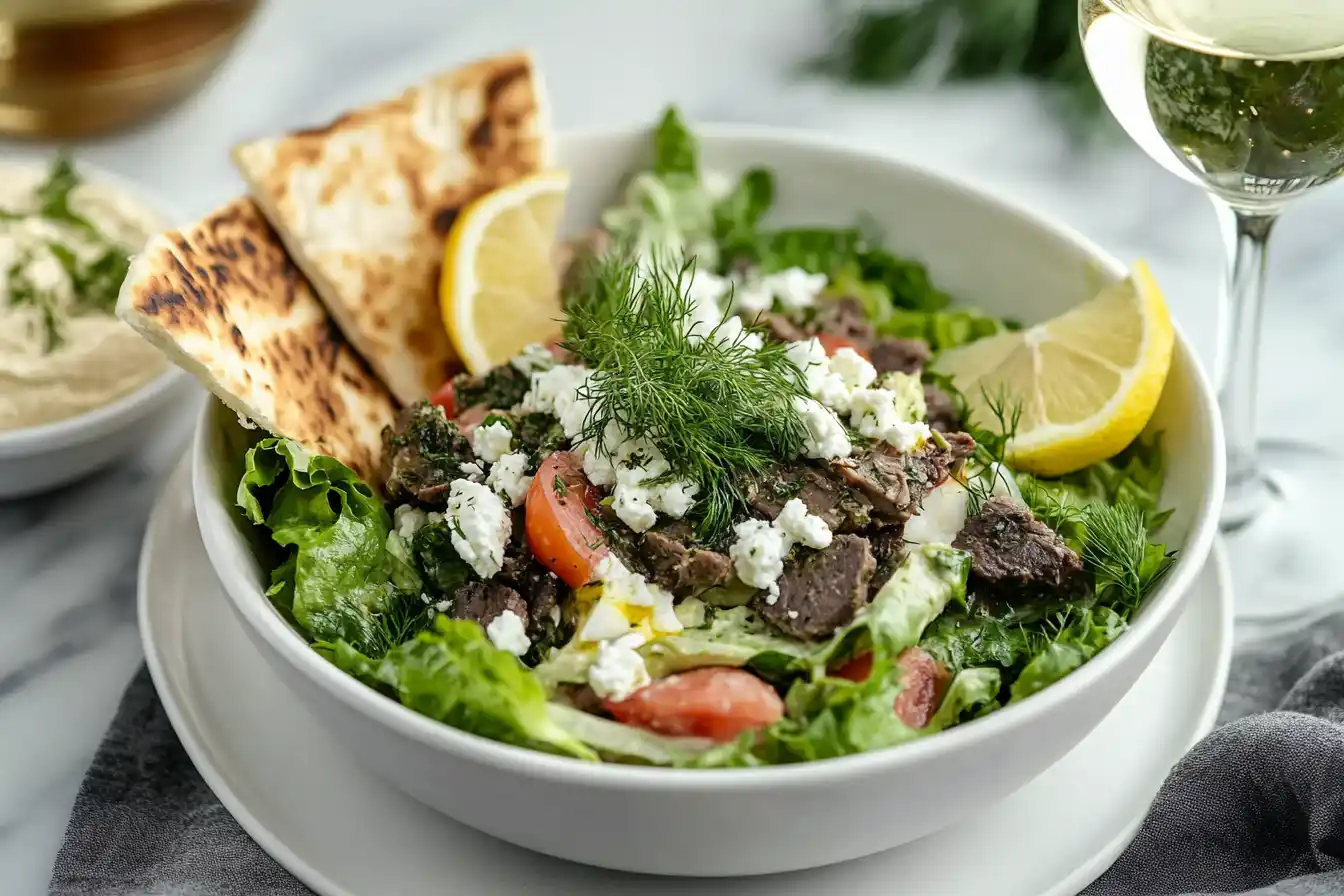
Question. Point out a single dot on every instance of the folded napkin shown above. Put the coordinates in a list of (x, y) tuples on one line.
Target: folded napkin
[(1257, 807)]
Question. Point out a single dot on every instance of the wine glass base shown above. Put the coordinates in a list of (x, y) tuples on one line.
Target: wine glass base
[(1287, 557)]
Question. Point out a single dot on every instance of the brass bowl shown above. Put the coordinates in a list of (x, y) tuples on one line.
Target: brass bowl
[(82, 68)]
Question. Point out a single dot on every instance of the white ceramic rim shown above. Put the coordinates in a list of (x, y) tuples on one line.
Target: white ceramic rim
[(90, 424), (286, 642), (200, 753)]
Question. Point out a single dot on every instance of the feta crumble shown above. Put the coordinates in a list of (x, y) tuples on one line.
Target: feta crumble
[(507, 632), (761, 546), (508, 478), (472, 471), (826, 438), (480, 526), (492, 441), (619, 670), (795, 287), (893, 413)]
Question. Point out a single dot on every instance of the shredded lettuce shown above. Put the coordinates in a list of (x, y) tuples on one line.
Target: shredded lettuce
[(337, 575), (453, 674)]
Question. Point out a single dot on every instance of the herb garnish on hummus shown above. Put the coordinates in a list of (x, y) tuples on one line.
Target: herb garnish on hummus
[(65, 245)]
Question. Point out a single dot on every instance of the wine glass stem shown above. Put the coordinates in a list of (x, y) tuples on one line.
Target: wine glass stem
[(1248, 491)]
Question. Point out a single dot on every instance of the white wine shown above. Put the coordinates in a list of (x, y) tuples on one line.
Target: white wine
[(1245, 97)]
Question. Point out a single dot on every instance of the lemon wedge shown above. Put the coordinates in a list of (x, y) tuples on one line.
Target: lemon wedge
[(499, 290), (1088, 381)]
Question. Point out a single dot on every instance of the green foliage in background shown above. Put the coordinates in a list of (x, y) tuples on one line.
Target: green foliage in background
[(885, 43)]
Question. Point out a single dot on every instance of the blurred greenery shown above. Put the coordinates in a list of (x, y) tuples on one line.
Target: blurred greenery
[(886, 43)]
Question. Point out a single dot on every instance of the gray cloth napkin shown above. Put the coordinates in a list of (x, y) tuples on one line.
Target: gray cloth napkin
[(1257, 807)]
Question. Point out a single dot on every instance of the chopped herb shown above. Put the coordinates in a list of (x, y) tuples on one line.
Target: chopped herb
[(23, 292)]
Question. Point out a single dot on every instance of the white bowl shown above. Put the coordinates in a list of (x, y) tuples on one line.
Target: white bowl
[(35, 459), (748, 821)]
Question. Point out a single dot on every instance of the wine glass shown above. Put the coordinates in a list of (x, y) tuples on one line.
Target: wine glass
[(1244, 98)]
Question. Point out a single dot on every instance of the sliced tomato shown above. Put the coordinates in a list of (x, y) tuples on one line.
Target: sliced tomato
[(924, 682), (559, 532), (833, 344), (446, 398), (718, 703)]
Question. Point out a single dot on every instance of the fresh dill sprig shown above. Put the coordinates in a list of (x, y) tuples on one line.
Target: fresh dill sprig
[(991, 446), (1116, 549), (718, 409)]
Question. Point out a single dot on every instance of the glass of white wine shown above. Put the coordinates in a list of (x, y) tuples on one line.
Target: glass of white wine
[(1244, 98)]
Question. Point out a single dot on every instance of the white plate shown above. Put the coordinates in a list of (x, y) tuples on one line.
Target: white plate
[(342, 831)]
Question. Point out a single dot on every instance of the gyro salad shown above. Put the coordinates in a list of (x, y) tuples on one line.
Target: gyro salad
[(767, 497)]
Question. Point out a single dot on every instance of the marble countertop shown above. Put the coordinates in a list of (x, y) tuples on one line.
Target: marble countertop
[(68, 642)]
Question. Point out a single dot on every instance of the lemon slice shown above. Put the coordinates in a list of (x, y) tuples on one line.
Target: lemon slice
[(1087, 381), (499, 289)]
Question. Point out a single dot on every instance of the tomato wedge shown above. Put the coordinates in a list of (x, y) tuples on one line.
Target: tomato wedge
[(446, 398), (718, 703), (559, 532), (924, 681), (833, 344)]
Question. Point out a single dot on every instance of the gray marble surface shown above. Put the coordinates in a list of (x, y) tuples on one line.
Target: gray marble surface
[(68, 641)]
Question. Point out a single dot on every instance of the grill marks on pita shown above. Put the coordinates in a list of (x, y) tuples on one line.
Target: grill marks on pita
[(364, 203), (223, 300)]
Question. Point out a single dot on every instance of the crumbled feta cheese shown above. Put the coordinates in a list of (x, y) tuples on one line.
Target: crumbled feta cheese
[(704, 293), (443, 606), (758, 556), (795, 287), (619, 670), (761, 546), (826, 437), (630, 503), (752, 296), (548, 386), (472, 471), (854, 370), (802, 527), (878, 414), (507, 632), (792, 614), (508, 478), (673, 499), (492, 441), (810, 357), (533, 358), (480, 526), (407, 520)]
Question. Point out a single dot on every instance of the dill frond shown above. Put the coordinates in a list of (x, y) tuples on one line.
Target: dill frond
[(1116, 549), (719, 410), (991, 446)]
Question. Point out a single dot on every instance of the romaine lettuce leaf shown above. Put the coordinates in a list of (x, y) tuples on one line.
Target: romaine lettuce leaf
[(453, 674), (338, 573)]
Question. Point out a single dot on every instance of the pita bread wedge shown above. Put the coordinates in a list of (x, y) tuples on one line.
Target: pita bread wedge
[(364, 204), (224, 301)]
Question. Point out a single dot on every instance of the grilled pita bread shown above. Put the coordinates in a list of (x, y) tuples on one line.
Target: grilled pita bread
[(225, 302), (364, 203)]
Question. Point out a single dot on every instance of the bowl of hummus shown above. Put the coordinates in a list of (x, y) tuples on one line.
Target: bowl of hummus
[(77, 386)]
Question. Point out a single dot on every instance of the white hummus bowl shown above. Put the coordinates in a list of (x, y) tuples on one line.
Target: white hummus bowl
[(983, 250), (35, 459)]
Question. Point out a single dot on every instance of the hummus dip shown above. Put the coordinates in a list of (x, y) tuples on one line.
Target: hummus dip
[(64, 249)]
